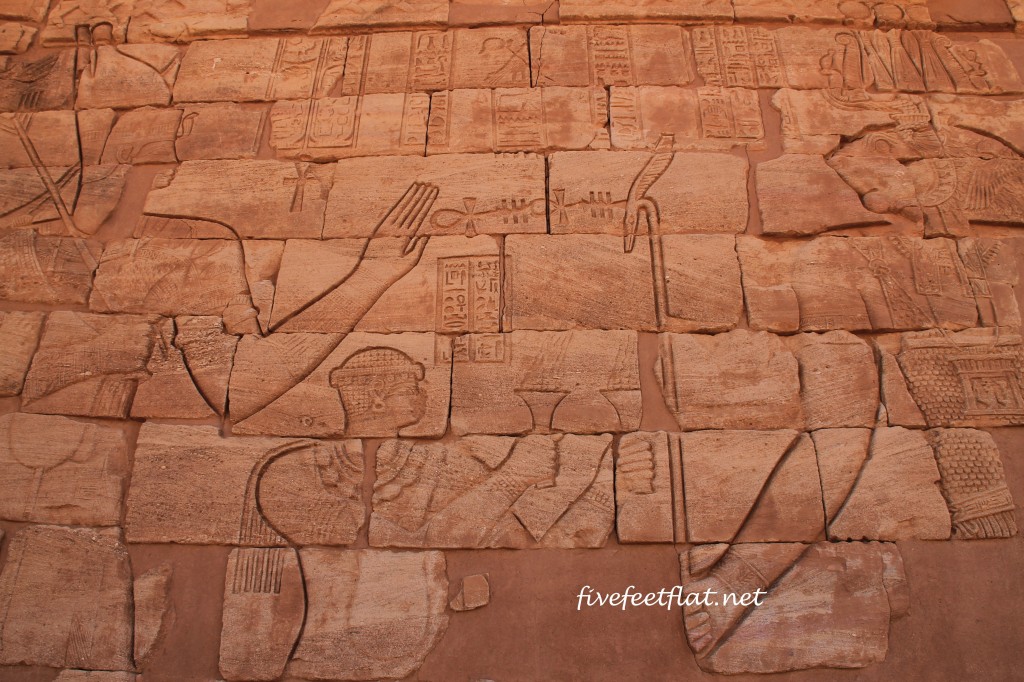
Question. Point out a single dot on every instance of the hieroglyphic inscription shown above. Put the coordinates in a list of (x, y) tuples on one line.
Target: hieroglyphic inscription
[(737, 57), (469, 292)]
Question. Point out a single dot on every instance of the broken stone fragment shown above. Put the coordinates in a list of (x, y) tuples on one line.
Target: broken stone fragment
[(474, 593)]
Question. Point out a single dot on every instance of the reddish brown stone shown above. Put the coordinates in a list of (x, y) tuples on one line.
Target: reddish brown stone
[(489, 491), (89, 365), (574, 382), (610, 55), (251, 492), (381, 14), (648, 488), (638, 10), (154, 612), (474, 593), (19, 335), (58, 470), (737, 380), (49, 619)]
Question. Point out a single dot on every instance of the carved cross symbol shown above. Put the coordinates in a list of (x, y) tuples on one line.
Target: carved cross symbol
[(303, 174)]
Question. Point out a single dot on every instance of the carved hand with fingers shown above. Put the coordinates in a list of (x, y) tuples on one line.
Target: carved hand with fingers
[(398, 235)]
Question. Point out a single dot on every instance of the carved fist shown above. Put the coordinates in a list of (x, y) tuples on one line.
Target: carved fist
[(636, 466)]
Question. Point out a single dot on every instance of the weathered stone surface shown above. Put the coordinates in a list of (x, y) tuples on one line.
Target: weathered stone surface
[(105, 20), (1017, 10), (260, 69), (490, 491), (189, 369), (974, 484), (339, 127), (491, 12), (576, 281), (788, 185), (971, 378), (67, 599), (737, 56), (39, 269), (428, 61), (19, 335), (737, 380), (175, 277), (667, 192), (372, 614), (262, 262), (15, 38), (474, 593), (838, 379), (815, 121), (859, 283), (128, 76), (610, 55), (154, 612), (648, 488), (328, 385), (250, 492), (895, 60), (156, 21), (47, 197), (88, 365), (828, 605), (264, 608), (701, 283), (37, 84), (636, 10), (25, 10), (143, 135), (220, 131), (573, 382), (710, 118), (898, 14), (517, 120), (57, 470), (238, 199), (476, 194), (880, 485), (992, 271), (900, 408), (94, 676), (455, 286), (381, 13), (751, 486)]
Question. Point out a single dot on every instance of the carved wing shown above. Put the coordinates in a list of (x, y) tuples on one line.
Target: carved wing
[(654, 169)]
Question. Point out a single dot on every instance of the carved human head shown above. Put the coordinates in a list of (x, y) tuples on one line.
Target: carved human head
[(380, 391)]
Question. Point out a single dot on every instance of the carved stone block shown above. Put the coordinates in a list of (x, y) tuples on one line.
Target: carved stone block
[(381, 13), (751, 486), (610, 55), (477, 194), (858, 283), (220, 131), (108, 18), (39, 269), (19, 335), (838, 379), (157, 21), (736, 56), (974, 484), (238, 199), (260, 69), (71, 201), (371, 615), (88, 365), (827, 605), (491, 491), (428, 61), (328, 385), (880, 485), (599, 192), (126, 76), (737, 380), (971, 378), (249, 492), (67, 595), (339, 127), (899, 13), (24, 10), (57, 470), (154, 612), (648, 488), (37, 84), (15, 38), (573, 382), (706, 118), (517, 120)]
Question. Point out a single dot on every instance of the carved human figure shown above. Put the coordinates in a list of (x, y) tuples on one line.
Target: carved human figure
[(380, 390)]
